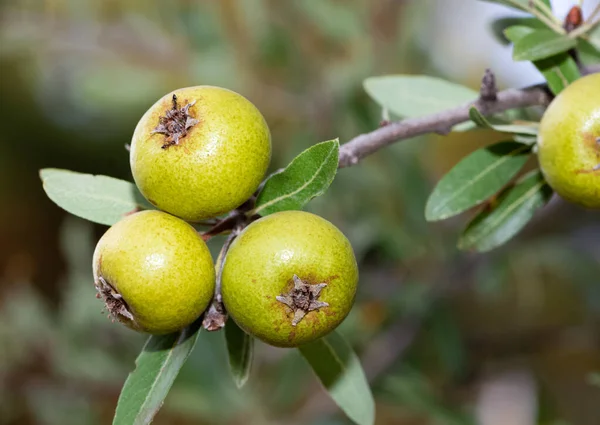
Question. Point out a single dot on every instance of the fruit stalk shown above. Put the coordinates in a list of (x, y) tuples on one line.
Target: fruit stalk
[(216, 315)]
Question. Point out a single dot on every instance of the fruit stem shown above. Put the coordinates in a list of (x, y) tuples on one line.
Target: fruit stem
[(216, 316)]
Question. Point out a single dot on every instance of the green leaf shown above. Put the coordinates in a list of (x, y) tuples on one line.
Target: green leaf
[(475, 178), (306, 177), (100, 199), (513, 209), (530, 129), (499, 26), (517, 32), (340, 372), (240, 347), (157, 367), (588, 53), (559, 70), (417, 95), (594, 36), (541, 44)]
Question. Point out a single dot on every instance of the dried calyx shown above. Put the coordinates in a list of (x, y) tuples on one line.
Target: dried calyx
[(114, 302), (302, 299), (175, 123)]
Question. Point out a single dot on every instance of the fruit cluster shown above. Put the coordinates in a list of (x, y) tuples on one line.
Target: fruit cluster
[(198, 153)]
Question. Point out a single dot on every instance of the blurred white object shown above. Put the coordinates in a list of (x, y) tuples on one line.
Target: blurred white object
[(507, 398)]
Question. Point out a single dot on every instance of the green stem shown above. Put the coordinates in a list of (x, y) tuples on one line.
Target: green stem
[(547, 10), (553, 23)]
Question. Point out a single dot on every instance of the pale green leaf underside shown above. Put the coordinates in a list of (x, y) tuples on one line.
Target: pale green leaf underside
[(157, 366), (100, 199), (510, 213), (475, 178), (411, 96), (240, 347), (339, 370), (306, 177)]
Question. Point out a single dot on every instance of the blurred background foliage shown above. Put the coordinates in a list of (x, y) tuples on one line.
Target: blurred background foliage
[(507, 338)]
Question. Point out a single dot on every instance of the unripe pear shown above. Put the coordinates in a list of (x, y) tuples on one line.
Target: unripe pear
[(199, 152), (289, 278), (154, 272), (569, 142)]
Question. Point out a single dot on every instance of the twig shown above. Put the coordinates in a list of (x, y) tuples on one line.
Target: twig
[(365, 144)]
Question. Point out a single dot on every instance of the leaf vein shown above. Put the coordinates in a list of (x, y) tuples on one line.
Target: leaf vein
[(518, 202), (479, 176), (308, 182)]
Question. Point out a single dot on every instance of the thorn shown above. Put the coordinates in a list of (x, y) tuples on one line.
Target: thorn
[(127, 147)]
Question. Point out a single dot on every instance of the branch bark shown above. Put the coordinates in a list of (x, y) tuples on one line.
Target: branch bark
[(365, 144)]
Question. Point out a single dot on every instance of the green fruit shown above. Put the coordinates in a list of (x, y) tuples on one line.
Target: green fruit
[(200, 152), (569, 142), (289, 278), (154, 272)]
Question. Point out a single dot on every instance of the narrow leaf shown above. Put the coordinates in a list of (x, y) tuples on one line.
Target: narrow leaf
[(559, 70), (499, 26), (240, 347), (513, 209), (157, 367), (528, 129), (541, 44), (341, 373), (100, 199), (594, 36), (417, 95), (588, 53), (475, 178), (306, 177), (516, 32)]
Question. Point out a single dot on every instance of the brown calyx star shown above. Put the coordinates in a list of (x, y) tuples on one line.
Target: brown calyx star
[(302, 298), (114, 302), (175, 123)]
